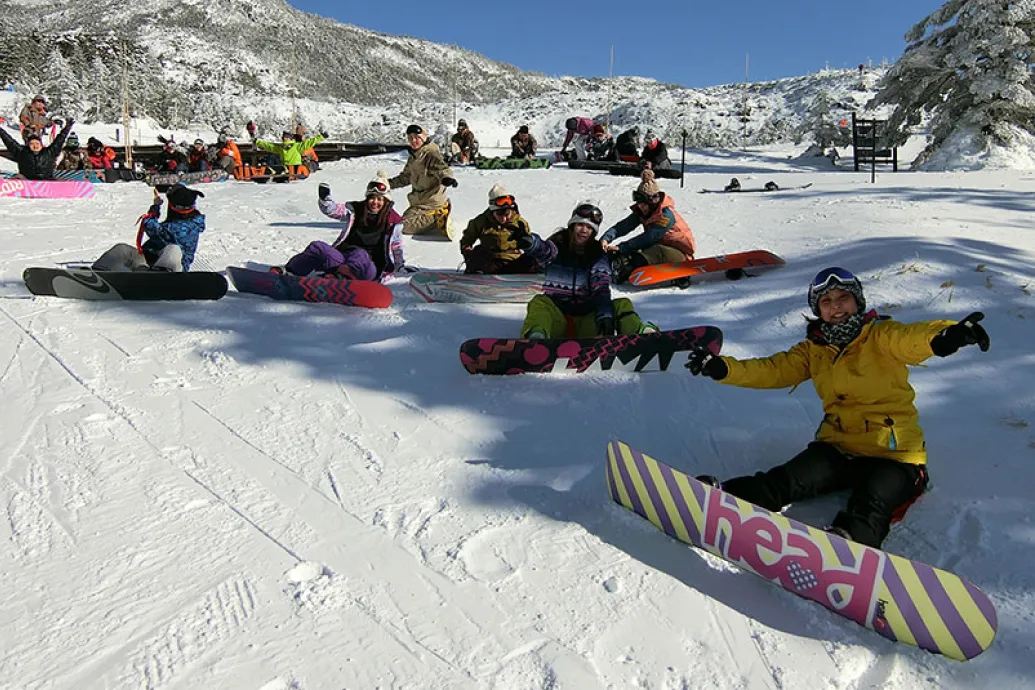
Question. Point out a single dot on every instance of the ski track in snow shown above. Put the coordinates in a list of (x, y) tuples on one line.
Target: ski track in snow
[(253, 494)]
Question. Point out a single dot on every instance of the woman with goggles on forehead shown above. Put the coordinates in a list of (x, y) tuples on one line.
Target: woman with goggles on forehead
[(666, 237), (869, 440), (576, 300), (496, 240), (368, 248)]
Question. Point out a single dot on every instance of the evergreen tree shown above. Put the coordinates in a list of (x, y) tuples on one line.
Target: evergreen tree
[(823, 122), (61, 85), (968, 67)]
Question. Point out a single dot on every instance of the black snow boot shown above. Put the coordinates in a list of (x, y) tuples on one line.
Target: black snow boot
[(733, 186)]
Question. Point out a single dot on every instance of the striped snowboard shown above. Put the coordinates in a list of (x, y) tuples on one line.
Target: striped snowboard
[(903, 600)]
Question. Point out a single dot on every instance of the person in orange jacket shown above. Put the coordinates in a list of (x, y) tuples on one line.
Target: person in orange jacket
[(229, 156)]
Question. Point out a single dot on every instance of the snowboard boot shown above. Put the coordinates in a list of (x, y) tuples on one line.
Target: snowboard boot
[(536, 334), (709, 480), (621, 267), (443, 221), (733, 186), (771, 186), (277, 270), (648, 327), (839, 531)]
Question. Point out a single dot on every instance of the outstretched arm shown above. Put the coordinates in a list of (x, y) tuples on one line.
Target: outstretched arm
[(13, 146)]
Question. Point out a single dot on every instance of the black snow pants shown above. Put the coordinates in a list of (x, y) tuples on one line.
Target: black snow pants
[(881, 489)]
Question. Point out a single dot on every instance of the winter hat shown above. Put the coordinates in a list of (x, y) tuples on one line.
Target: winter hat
[(598, 129), (648, 188), (571, 123), (835, 278), (199, 142), (589, 213), (416, 129), (523, 129), (650, 136), (182, 198), (500, 198), (379, 186), (94, 143), (39, 99), (286, 135), (33, 135), (72, 142), (462, 123)]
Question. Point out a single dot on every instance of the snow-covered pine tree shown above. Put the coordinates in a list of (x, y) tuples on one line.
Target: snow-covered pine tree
[(61, 85), (967, 67), (822, 122)]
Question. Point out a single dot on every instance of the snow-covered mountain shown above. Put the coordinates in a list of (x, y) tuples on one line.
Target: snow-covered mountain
[(224, 63)]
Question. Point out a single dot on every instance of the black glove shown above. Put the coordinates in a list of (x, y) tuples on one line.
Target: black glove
[(324, 134), (58, 121), (966, 332), (525, 242), (324, 191), (606, 326), (449, 182), (702, 361)]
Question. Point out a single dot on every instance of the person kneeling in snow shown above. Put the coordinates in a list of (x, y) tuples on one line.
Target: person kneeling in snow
[(498, 231), (666, 236), (576, 300), (869, 441), (370, 246), (171, 244)]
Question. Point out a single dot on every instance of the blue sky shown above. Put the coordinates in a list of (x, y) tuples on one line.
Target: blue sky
[(689, 42)]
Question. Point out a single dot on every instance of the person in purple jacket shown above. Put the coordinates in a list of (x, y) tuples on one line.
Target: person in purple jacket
[(580, 129), (368, 248)]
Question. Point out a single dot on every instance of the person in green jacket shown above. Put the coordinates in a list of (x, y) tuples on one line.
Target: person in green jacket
[(289, 151)]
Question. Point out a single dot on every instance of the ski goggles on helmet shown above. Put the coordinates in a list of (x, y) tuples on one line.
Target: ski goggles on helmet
[(590, 212), (376, 186), (830, 278), (503, 203)]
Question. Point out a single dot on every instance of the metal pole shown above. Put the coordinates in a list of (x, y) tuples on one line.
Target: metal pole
[(125, 110), (682, 163), (873, 153)]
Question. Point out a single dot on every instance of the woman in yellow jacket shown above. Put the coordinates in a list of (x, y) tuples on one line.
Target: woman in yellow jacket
[(870, 440)]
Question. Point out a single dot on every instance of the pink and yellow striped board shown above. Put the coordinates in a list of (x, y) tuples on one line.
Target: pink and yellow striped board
[(903, 600), (46, 189)]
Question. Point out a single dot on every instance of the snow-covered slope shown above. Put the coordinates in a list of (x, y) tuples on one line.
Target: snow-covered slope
[(252, 494)]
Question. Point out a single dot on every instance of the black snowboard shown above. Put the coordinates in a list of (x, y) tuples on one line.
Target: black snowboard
[(623, 168), (85, 283), (751, 190)]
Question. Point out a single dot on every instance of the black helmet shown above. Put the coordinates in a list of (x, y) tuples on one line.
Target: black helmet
[(72, 142)]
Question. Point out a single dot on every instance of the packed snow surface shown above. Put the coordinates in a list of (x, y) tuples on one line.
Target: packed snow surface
[(257, 494)]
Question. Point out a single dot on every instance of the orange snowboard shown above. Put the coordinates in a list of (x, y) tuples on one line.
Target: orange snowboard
[(735, 266)]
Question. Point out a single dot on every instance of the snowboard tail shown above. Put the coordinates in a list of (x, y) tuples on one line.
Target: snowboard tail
[(644, 352), (85, 283), (354, 293), (905, 601)]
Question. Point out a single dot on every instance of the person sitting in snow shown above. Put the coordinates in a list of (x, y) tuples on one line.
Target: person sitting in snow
[(601, 147), (429, 176), (101, 156), (228, 157), (73, 157), (490, 244), (289, 152), (579, 129), (522, 144), (173, 157), (197, 157), (627, 145), (36, 162), (463, 146), (576, 300), (171, 244), (666, 236), (869, 441), (368, 248), (655, 153)]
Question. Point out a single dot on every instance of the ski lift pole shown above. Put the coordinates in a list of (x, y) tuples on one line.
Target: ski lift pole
[(682, 163)]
